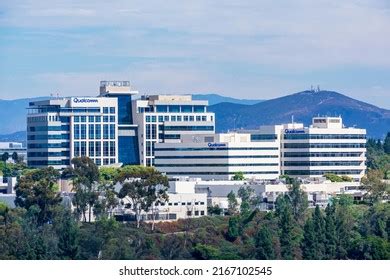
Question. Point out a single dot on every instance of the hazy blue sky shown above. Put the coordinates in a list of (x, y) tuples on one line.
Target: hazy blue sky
[(245, 49)]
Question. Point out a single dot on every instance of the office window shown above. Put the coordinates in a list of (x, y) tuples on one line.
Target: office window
[(174, 109), (189, 213), (91, 149), (105, 110), (112, 118), (160, 118), (83, 119), (106, 149), (186, 109), (112, 160), (98, 119), (76, 131), (98, 149), (166, 118), (148, 148), (183, 203), (112, 131), (98, 162), (198, 118), (106, 161), (76, 149), (98, 131), (91, 131), (153, 119), (112, 110), (105, 119), (105, 131), (154, 131), (185, 118), (112, 148), (76, 119), (204, 118), (178, 118), (161, 108), (191, 118), (199, 109), (147, 132), (196, 213), (147, 118), (202, 213), (91, 118), (83, 148), (83, 131), (173, 118)]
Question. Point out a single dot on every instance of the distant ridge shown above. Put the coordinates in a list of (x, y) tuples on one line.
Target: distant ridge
[(214, 98), (303, 106)]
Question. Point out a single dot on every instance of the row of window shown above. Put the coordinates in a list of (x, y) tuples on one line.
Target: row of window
[(49, 128), (94, 149), (176, 118), (48, 145), (48, 162), (96, 119), (220, 149), (323, 145), (94, 131), (177, 109), (324, 136), (262, 137), (321, 172), (48, 154), (325, 154), (215, 157), (215, 164), (183, 203), (49, 137), (322, 163), (220, 173), (190, 128)]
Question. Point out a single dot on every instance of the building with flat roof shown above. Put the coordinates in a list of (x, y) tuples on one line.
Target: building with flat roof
[(221, 156), (326, 146), (14, 147), (164, 118), (63, 128)]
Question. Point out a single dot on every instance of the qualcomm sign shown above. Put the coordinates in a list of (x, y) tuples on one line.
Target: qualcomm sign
[(288, 131), (85, 100), (216, 145)]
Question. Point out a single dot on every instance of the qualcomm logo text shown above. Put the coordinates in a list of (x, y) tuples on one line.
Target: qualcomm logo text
[(287, 131), (216, 145), (85, 100)]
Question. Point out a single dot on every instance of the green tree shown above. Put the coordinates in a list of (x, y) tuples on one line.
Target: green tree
[(309, 241), (85, 177), (5, 157), (330, 232), (284, 213), (264, 245), (232, 203), (298, 201), (233, 228), (248, 199), (319, 229), (144, 186), (15, 157), (386, 144), (67, 232), (238, 176), (39, 188), (376, 188)]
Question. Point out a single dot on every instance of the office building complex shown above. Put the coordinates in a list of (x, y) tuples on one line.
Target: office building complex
[(220, 156), (61, 129), (324, 147), (290, 149), (164, 118), (127, 130), (111, 128)]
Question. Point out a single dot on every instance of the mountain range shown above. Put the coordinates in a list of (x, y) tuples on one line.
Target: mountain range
[(232, 113), (303, 106)]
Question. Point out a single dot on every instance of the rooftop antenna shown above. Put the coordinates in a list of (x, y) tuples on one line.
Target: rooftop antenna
[(292, 119), (318, 88), (311, 88)]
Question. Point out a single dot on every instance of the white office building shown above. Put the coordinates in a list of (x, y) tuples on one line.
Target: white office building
[(326, 146), (220, 156), (268, 152), (61, 129), (164, 118)]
